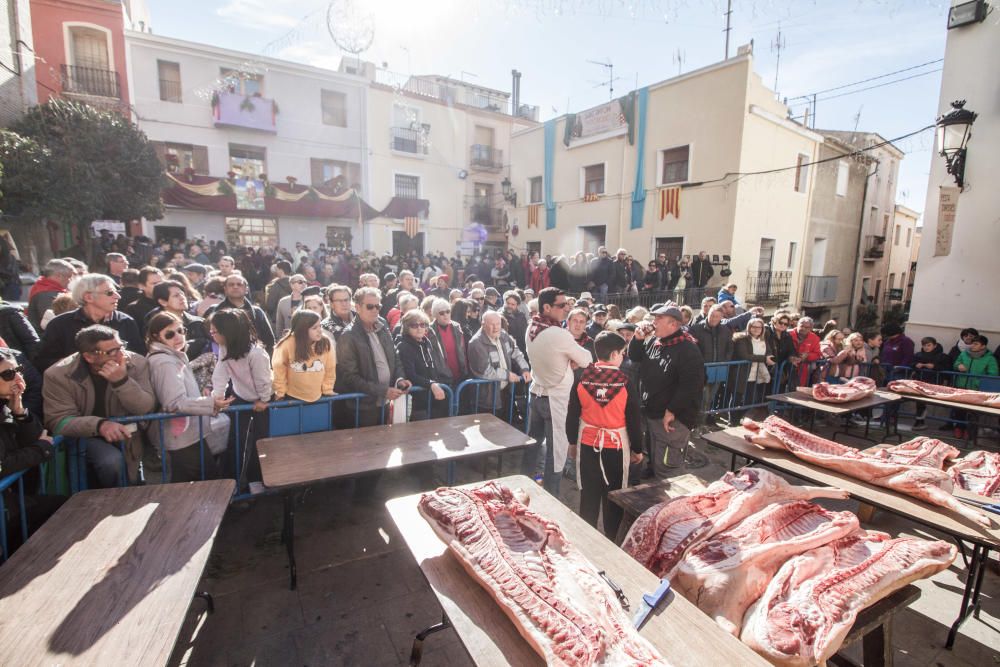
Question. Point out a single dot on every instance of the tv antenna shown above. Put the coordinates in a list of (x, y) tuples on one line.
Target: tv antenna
[(777, 45), (679, 57), (729, 24), (610, 83)]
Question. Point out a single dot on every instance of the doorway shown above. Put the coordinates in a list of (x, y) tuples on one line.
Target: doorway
[(593, 238), (169, 234), (403, 245), (671, 246), (818, 265)]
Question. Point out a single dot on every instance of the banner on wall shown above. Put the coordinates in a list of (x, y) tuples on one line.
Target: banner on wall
[(249, 194), (599, 120), (947, 210)]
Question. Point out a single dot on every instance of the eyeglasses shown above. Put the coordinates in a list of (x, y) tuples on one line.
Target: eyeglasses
[(560, 305), (420, 325), (11, 373), (373, 306), (783, 323), (110, 353), (170, 333), (109, 292)]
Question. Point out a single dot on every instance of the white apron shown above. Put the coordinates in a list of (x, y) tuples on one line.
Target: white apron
[(604, 434), (558, 408)]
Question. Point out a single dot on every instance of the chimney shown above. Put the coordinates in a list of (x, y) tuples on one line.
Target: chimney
[(515, 92)]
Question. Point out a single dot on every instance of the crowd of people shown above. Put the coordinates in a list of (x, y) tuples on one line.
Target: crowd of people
[(195, 331)]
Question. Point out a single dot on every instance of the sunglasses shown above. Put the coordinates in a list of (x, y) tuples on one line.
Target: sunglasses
[(170, 333), (783, 323), (373, 306), (110, 353), (11, 373), (109, 292), (560, 305), (420, 325)]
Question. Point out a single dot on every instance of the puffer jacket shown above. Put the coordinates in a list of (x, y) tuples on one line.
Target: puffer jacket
[(176, 390), (16, 331)]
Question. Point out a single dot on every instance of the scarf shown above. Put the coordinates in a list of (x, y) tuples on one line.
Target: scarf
[(45, 284), (679, 337), (976, 355), (540, 323), (584, 340)]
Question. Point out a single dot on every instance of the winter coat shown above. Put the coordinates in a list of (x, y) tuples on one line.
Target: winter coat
[(485, 364), (260, 322), (356, 370), (305, 380), (672, 372), (16, 331), (176, 390), (59, 339), (715, 343), (984, 365)]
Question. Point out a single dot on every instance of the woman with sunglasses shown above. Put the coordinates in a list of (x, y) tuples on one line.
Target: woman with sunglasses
[(177, 390), (304, 363), (416, 353), (21, 447)]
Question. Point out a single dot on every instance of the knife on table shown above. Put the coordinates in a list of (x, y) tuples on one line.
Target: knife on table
[(649, 602), (986, 507)]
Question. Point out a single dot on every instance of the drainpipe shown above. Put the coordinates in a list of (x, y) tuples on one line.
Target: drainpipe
[(861, 237)]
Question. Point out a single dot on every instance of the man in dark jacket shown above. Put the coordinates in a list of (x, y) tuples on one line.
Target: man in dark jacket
[(601, 272), (517, 323), (714, 339), (619, 272), (149, 278), (98, 301), (928, 364), (672, 372), (236, 288), (278, 288), (55, 278), (701, 273)]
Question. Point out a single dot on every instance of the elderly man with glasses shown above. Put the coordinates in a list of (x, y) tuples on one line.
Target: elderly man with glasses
[(98, 301), (236, 289), (101, 380), (554, 354)]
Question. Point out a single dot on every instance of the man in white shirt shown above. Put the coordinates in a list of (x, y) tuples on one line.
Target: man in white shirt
[(553, 354)]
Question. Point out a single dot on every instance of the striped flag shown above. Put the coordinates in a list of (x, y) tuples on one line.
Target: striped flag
[(591, 196), (411, 225), (533, 215), (670, 202)]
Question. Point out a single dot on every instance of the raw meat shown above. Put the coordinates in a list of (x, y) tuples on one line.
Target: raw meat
[(662, 534), (978, 472), (726, 574), (554, 596), (854, 390), (931, 486), (813, 601), (921, 451), (954, 394)]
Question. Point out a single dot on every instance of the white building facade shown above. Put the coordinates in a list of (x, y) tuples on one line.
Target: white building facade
[(218, 114), (956, 285)]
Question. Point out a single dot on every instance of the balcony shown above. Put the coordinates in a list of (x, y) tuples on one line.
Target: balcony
[(170, 91), (874, 248), (90, 81), (246, 111), (490, 218), (408, 140), (819, 289), (485, 157), (768, 287)]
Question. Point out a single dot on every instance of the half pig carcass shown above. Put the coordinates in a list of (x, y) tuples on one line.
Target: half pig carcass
[(812, 602), (931, 486), (853, 390), (921, 451), (978, 472), (554, 596), (661, 535), (726, 574), (943, 393)]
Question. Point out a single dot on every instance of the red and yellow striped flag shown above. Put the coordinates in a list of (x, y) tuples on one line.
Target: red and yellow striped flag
[(670, 202), (411, 225), (533, 215), (591, 196)]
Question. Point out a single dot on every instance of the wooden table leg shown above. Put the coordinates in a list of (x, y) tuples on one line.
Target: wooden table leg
[(866, 512), (876, 646)]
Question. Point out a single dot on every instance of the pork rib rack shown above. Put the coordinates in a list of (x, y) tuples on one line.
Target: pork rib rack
[(554, 596), (940, 392), (661, 535), (924, 483), (814, 599), (920, 451), (978, 472), (853, 390), (726, 574)]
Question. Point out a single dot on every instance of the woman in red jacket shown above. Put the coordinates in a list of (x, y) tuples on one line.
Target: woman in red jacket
[(540, 276)]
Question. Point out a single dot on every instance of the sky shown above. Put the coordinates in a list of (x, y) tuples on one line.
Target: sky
[(825, 44)]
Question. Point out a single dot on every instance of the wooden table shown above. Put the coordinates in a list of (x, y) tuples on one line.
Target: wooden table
[(109, 578), (974, 409), (637, 499), (685, 636), (295, 461), (941, 519), (802, 398)]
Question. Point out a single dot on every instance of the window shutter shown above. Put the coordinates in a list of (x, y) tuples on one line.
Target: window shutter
[(200, 154), (316, 168)]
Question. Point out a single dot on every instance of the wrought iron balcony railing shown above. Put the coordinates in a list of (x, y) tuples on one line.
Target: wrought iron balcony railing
[(91, 81)]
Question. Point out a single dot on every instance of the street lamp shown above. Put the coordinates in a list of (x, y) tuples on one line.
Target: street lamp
[(508, 192), (953, 132)]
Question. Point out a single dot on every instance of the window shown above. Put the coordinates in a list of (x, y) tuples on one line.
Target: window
[(843, 173), (892, 281), (885, 225), (334, 108), (866, 290), (878, 290), (873, 219), (247, 161), (90, 48), (405, 116), (89, 71), (593, 179), (533, 246), (408, 135), (407, 187), (793, 246), (177, 158), (252, 232), (909, 236), (675, 165), (327, 172), (170, 80), (244, 83), (801, 173), (896, 235), (535, 190)]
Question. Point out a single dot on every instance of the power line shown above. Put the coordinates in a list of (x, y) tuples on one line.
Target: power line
[(874, 78), (880, 85)]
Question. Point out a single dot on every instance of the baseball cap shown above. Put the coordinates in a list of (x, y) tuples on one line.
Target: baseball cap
[(600, 308), (669, 311), (196, 268)]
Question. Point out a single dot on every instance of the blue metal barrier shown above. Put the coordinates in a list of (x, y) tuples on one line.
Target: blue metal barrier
[(17, 478), (495, 394), (957, 417)]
